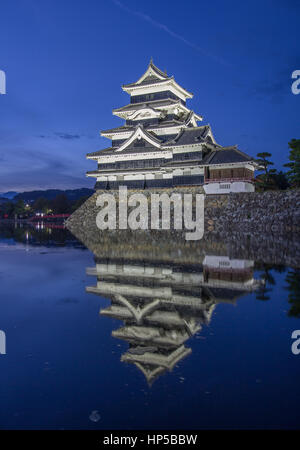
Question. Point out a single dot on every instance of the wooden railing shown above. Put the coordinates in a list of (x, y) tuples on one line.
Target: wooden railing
[(228, 180)]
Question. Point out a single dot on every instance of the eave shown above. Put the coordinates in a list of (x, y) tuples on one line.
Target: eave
[(120, 133), (126, 111), (152, 86)]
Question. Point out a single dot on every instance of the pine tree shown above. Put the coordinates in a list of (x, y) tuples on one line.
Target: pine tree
[(265, 180), (294, 164)]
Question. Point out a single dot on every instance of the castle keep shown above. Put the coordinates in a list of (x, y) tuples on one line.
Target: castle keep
[(161, 144)]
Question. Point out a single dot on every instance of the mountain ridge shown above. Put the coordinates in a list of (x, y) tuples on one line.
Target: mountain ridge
[(49, 194)]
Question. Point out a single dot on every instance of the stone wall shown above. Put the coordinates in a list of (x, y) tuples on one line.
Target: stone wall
[(276, 212)]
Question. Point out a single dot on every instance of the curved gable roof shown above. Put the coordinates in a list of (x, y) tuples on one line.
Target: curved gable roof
[(153, 74), (140, 133)]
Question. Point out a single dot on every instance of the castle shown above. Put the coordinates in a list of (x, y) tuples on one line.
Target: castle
[(161, 144)]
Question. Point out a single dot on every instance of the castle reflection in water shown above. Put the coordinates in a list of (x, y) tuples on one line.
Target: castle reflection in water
[(163, 304)]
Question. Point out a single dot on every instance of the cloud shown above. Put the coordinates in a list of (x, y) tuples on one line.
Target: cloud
[(68, 136), (61, 135), (42, 171), (42, 179), (171, 33), (40, 168)]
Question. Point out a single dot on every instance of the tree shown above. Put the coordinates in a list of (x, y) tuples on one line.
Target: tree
[(294, 164), (7, 209), (263, 161), (79, 202), (268, 281), (60, 204), (41, 204), (265, 180), (281, 180), (19, 208)]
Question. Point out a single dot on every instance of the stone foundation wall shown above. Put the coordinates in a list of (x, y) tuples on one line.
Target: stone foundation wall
[(276, 212)]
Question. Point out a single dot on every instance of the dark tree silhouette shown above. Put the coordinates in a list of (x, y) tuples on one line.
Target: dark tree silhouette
[(293, 281), (265, 180), (294, 164), (60, 204)]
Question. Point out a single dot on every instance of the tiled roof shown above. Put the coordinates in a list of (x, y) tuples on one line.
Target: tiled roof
[(188, 136), (223, 156), (130, 150), (147, 81), (127, 151), (121, 129), (150, 126), (102, 152), (226, 155), (153, 78), (153, 103)]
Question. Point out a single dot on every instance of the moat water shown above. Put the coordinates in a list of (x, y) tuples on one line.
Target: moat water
[(100, 340)]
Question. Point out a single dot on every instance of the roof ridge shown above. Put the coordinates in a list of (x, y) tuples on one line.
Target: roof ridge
[(157, 72), (153, 66)]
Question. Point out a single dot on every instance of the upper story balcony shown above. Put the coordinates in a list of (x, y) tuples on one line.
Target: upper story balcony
[(249, 179)]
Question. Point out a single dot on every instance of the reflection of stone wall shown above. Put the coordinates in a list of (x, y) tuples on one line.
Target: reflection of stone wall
[(263, 248)]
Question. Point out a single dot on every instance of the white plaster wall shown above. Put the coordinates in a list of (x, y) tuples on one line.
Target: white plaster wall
[(138, 176), (197, 171), (149, 176), (236, 186)]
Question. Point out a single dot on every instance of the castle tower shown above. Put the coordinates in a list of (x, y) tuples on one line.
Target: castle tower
[(162, 145)]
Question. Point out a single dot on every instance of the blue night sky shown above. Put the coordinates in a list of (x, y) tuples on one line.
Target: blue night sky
[(65, 62)]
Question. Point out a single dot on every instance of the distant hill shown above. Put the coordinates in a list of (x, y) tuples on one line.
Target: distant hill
[(50, 194), (9, 195), (4, 200)]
